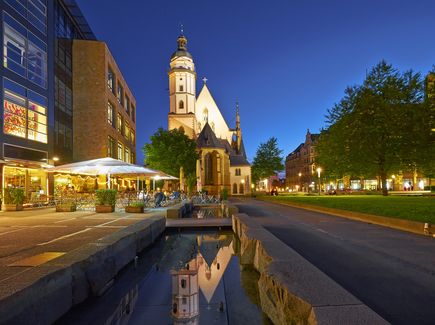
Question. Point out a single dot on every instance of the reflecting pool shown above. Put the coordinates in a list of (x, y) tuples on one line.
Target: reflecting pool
[(186, 278)]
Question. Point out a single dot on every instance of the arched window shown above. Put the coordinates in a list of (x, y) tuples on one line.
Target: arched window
[(183, 283), (208, 166), (181, 104), (235, 188), (212, 126), (241, 188), (205, 115), (181, 129)]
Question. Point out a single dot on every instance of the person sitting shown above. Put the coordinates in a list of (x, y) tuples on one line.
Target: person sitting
[(158, 197)]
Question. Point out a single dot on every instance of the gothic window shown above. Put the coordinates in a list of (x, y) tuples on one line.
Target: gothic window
[(208, 165), (234, 188), (241, 188), (181, 105), (238, 172), (205, 115)]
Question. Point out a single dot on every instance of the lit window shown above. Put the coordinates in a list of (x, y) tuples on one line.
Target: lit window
[(119, 123), (127, 155), (181, 105), (110, 114), (127, 130), (111, 80), (120, 94), (120, 151)]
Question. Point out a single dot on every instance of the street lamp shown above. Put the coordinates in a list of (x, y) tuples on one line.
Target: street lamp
[(300, 184), (318, 174), (393, 177), (243, 182)]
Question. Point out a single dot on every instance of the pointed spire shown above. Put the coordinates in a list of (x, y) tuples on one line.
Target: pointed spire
[(238, 129)]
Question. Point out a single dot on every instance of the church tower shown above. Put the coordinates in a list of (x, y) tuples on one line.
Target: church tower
[(182, 90)]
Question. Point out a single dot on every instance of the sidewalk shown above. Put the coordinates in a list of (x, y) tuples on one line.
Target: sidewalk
[(32, 241)]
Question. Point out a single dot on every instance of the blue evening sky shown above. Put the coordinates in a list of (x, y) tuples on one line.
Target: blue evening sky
[(285, 61)]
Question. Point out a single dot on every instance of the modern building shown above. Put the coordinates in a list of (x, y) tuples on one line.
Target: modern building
[(37, 90), (223, 163), (300, 165), (104, 119)]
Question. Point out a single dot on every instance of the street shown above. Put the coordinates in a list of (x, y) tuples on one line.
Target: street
[(392, 272)]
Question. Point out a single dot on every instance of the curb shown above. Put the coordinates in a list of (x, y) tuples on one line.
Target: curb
[(416, 227), (291, 289)]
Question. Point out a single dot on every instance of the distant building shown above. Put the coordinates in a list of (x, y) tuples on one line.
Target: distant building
[(300, 165)]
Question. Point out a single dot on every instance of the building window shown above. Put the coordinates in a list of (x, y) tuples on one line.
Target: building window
[(111, 80), (238, 172), (120, 94), (132, 136), (181, 88), (126, 154), (120, 151), (235, 188), (205, 115), (181, 105), (132, 158), (119, 123), (110, 114), (36, 12), (208, 166), (242, 188), (23, 52), (133, 113), (127, 130), (110, 147), (183, 283), (127, 104), (24, 113)]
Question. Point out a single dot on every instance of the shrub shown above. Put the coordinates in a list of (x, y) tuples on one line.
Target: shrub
[(105, 197), (224, 194), (430, 188), (137, 204), (13, 195)]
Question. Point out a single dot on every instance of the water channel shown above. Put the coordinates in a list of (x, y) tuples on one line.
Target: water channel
[(191, 277)]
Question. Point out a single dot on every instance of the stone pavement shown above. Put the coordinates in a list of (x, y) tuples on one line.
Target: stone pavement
[(391, 271), (28, 233)]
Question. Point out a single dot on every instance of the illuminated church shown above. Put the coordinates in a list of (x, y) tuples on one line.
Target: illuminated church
[(223, 162)]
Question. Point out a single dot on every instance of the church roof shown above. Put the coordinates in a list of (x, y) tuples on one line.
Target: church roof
[(207, 138)]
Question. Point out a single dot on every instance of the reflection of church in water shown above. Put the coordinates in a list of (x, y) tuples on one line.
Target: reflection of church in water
[(202, 274), (222, 163)]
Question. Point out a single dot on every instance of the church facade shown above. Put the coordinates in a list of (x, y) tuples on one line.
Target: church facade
[(222, 162)]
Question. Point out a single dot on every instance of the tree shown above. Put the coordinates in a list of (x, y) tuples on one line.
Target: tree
[(267, 160), (168, 151), (377, 127)]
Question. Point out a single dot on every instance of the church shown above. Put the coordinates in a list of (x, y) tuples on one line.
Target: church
[(222, 162)]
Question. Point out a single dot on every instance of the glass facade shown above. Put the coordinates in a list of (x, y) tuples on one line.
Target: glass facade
[(23, 52), (24, 112)]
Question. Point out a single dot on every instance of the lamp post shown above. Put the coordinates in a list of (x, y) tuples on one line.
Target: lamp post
[(318, 174), (300, 184), (243, 182), (393, 178)]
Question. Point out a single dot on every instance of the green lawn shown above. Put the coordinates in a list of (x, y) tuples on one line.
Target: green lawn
[(403, 207)]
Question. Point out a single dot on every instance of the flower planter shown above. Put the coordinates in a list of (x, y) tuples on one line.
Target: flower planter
[(66, 208), (12, 207), (130, 209), (104, 208)]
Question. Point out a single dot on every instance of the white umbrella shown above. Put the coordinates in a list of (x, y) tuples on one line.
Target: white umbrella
[(103, 166)]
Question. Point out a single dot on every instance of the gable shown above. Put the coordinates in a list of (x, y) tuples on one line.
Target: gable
[(206, 105)]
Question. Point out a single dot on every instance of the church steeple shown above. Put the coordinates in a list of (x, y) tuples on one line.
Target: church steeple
[(238, 128)]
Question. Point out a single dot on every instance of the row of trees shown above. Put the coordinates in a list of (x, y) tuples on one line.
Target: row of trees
[(381, 127)]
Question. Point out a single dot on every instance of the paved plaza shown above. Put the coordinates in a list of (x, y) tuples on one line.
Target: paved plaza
[(26, 234)]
